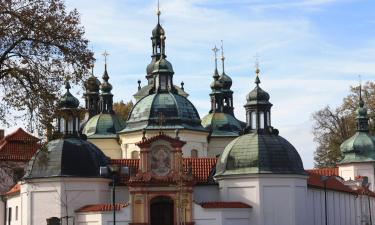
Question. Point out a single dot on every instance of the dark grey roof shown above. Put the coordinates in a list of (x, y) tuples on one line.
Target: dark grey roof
[(72, 157), (177, 110), (259, 153), (145, 90)]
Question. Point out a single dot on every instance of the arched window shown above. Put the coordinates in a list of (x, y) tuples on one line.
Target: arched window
[(261, 120), (135, 155), (194, 153), (253, 120)]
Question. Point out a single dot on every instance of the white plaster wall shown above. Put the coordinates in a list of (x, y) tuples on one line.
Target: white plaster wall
[(276, 199), (216, 145), (123, 217), (206, 193), (219, 216), (350, 171), (13, 202), (45, 198), (109, 146), (122, 194), (194, 140)]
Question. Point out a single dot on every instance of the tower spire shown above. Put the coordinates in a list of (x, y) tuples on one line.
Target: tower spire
[(216, 73), (222, 55), (158, 12), (257, 70)]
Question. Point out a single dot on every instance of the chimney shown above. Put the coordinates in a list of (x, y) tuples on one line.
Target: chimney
[(1, 134)]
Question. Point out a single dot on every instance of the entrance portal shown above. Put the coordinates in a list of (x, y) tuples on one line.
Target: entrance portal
[(161, 211)]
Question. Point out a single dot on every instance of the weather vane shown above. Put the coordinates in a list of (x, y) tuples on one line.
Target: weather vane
[(105, 54)]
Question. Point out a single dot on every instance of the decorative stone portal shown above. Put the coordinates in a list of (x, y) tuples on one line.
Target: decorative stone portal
[(161, 211), (161, 191)]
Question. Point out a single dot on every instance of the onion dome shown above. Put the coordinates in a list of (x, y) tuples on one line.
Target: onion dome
[(69, 157), (150, 67), (68, 100), (162, 66), (158, 30), (177, 110), (105, 87), (222, 124), (361, 146), (103, 125), (92, 84), (259, 153), (226, 81), (257, 94)]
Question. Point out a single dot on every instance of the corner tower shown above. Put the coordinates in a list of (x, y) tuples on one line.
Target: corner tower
[(221, 122), (261, 164), (359, 150)]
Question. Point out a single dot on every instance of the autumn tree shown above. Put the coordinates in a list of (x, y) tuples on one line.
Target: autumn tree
[(333, 126), (123, 109), (41, 44)]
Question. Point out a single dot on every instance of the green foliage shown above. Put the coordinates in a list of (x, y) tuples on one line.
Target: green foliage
[(123, 109), (41, 44), (333, 126)]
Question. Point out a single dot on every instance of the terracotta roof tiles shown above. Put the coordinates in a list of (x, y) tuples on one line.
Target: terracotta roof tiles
[(18, 146), (14, 190), (222, 205), (334, 171), (101, 207)]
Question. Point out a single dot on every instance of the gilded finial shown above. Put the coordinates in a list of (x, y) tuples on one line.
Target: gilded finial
[(158, 12), (222, 54), (257, 70), (105, 54), (215, 50)]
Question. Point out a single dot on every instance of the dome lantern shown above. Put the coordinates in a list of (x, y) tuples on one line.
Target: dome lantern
[(68, 113), (258, 107)]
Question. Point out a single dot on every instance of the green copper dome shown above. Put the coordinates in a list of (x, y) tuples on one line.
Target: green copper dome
[(361, 146), (162, 66), (222, 124), (92, 84), (103, 125), (178, 112), (358, 148), (226, 81), (259, 153)]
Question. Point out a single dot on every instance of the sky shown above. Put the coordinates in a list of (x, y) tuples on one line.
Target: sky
[(310, 51)]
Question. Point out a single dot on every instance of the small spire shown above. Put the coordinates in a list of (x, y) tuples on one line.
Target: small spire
[(215, 50), (361, 103), (105, 75), (158, 13), (222, 54), (67, 84), (182, 85), (139, 84), (257, 70)]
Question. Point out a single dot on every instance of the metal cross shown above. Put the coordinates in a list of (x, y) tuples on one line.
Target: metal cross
[(215, 50), (161, 119), (105, 54)]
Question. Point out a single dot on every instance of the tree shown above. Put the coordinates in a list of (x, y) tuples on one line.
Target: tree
[(333, 126), (123, 109), (41, 44)]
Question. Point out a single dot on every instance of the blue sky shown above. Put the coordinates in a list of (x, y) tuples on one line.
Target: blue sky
[(310, 51)]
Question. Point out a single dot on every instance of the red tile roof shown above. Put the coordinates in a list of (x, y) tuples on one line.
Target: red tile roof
[(333, 183), (222, 205), (334, 171), (18, 146), (101, 207), (201, 167), (14, 190)]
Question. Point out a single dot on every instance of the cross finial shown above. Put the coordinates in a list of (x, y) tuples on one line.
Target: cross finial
[(215, 50), (105, 54), (161, 119)]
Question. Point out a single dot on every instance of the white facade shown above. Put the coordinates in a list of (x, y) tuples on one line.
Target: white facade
[(276, 199), (353, 170), (59, 197), (123, 217), (202, 216)]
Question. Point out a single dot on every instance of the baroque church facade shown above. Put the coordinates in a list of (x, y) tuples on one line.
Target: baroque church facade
[(169, 166)]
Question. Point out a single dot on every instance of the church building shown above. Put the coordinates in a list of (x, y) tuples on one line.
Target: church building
[(166, 165)]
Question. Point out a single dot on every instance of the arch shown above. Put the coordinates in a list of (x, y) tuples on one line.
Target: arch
[(194, 153), (161, 211), (135, 154)]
